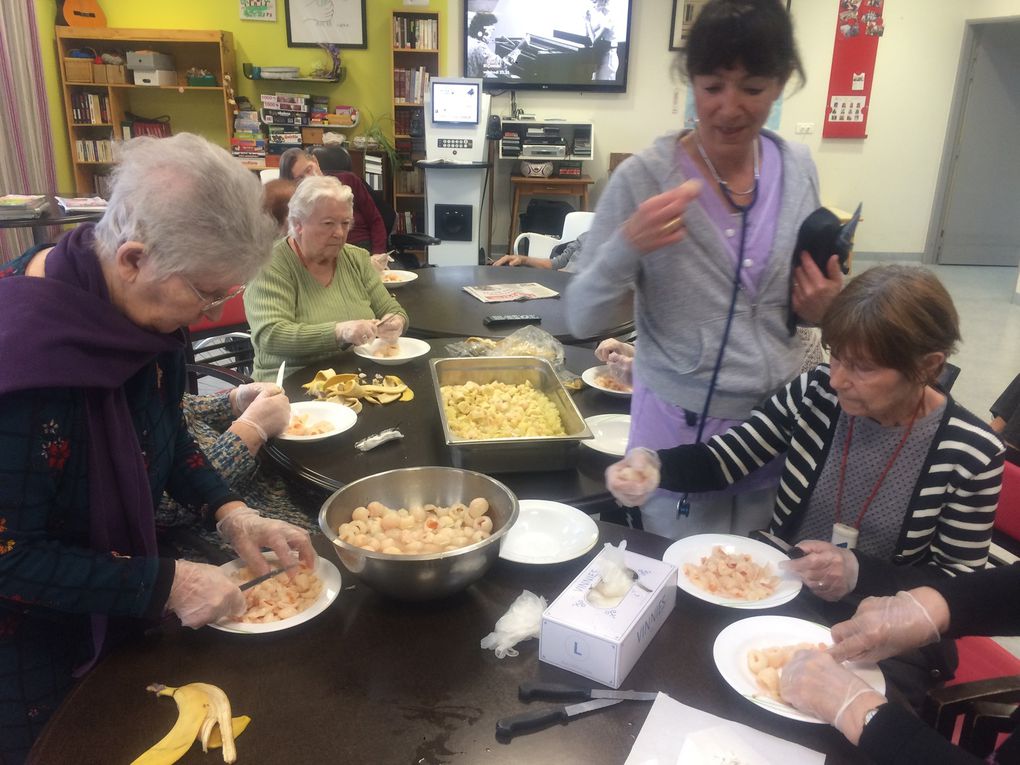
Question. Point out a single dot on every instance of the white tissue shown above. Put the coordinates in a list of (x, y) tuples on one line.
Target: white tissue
[(615, 580), (522, 621)]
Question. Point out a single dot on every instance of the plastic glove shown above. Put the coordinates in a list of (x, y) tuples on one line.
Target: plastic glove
[(355, 332), (612, 345), (268, 414), (201, 594), (248, 532), (381, 261), (830, 572), (620, 368), (632, 480), (243, 395), (814, 683), (884, 627), (390, 327)]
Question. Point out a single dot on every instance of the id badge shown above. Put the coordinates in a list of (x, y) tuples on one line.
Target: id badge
[(845, 536)]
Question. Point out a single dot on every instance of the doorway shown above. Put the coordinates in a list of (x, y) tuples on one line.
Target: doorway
[(977, 220)]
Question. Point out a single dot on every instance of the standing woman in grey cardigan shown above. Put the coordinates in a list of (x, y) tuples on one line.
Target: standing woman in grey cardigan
[(695, 235)]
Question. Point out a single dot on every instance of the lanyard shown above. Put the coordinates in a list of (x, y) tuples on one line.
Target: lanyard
[(888, 466)]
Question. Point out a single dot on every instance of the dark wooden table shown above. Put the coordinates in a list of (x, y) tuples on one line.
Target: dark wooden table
[(372, 680), (54, 216), (438, 306), (332, 463)]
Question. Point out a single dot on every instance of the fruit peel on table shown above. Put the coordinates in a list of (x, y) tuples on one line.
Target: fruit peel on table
[(350, 389)]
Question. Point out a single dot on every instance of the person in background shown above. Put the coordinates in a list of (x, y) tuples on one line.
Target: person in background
[(368, 230), (816, 682), (318, 293), (276, 196), (692, 238), (92, 434), (601, 32), (564, 257), (1006, 419), (481, 60)]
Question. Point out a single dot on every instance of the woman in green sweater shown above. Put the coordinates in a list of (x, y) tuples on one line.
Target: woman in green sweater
[(317, 294)]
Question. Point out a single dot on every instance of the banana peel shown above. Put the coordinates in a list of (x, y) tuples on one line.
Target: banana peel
[(203, 714), (351, 389)]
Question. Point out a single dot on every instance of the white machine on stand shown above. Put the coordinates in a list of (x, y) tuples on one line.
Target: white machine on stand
[(456, 116)]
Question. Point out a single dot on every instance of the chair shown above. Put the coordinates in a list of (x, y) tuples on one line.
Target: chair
[(541, 245), (222, 348)]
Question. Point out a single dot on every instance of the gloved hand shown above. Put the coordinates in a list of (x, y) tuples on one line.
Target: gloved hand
[(355, 332), (390, 327), (612, 345), (247, 532), (201, 594), (620, 368), (815, 684), (830, 572), (381, 261), (243, 395), (268, 414), (632, 480), (884, 627)]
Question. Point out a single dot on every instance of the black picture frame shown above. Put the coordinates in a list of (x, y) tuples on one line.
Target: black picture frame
[(688, 12), (311, 23)]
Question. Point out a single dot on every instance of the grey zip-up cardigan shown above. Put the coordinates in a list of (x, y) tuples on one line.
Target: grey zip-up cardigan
[(680, 295)]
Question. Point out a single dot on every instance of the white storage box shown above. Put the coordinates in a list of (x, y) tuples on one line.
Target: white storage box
[(605, 644), (148, 59), (155, 77)]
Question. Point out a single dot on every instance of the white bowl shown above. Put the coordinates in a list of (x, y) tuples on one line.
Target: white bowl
[(397, 278), (590, 377), (407, 348), (548, 532), (339, 416), (611, 432)]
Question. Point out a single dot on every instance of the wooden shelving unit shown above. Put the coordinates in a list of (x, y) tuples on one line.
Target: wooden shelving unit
[(415, 40), (208, 109)]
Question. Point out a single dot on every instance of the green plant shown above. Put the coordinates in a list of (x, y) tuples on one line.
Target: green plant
[(377, 137)]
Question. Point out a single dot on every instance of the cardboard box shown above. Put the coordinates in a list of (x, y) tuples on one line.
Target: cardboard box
[(78, 69), (99, 73), (311, 135), (605, 644), (116, 74), (148, 60), (155, 77)]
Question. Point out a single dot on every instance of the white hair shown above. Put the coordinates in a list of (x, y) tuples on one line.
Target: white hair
[(193, 206), (308, 194)]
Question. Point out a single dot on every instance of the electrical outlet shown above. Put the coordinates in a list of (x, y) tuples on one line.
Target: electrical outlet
[(804, 128)]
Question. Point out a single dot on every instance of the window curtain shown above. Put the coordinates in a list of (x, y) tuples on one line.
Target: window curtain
[(26, 148)]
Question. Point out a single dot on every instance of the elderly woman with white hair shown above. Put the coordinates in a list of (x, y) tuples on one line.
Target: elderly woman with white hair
[(92, 435), (318, 294)]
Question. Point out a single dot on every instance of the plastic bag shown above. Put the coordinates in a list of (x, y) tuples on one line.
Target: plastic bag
[(526, 341), (522, 621), (614, 577)]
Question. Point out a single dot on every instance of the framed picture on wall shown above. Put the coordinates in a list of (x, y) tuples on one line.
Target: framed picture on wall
[(684, 14), (311, 23)]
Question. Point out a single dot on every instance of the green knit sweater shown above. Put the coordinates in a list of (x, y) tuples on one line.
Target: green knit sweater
[(293, 317)]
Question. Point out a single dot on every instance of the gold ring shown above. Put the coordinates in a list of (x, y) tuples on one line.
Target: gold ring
[(673, 225)]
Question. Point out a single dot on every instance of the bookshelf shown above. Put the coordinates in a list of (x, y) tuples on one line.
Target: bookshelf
[(415, 49), (96, 104)]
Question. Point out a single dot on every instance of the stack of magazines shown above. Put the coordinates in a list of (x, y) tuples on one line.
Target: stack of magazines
[(14, 206), (81, 204)]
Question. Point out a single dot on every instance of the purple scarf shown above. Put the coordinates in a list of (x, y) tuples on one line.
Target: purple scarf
[(64, 332)]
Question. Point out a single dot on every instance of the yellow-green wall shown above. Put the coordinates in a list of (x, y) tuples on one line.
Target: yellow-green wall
[(367, 86)]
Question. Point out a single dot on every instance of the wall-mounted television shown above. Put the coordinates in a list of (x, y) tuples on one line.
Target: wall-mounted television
[(548, 44), (455, 102)]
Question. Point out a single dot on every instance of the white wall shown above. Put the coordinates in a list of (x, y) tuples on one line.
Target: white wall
[(893, 171)]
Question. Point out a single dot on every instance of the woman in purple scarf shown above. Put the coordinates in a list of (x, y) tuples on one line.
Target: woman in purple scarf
[(91, 433)]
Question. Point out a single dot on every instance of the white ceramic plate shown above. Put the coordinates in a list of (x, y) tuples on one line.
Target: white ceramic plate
[(397, 278), (693, 549), (758, 632), (339, 416), (548, 532), (407, 348), (591, 373), (611, 432), (327, 573)]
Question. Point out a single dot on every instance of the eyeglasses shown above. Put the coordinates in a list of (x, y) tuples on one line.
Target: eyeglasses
[(209, 303)]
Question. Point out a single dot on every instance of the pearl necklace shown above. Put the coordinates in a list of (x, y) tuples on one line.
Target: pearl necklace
[(718, 179)]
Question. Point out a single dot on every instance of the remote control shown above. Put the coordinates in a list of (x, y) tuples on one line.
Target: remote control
[(513, 318)]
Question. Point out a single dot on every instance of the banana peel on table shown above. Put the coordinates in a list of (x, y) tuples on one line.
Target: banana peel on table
[(203, 714), (351, 389)]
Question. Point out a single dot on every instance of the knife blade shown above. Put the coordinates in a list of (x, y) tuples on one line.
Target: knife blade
[(529, 691), (260, 579), (508, 727), (781, 544), (279, 375)]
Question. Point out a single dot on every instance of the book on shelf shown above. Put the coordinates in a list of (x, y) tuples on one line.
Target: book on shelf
[(505, 293), (81, 204), (13, 206)]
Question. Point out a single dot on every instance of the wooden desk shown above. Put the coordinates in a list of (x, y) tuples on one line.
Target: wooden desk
[(545, 187)]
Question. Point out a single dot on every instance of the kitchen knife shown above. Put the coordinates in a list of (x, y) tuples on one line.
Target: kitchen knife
[(507, 727), (260, 579), (780, 544), (530, 691)]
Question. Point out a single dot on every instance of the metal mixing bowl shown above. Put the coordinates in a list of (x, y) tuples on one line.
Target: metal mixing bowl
[(420, 577)]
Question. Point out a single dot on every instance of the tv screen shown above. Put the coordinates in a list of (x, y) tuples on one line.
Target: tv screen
[(455, 103), (547, 44)]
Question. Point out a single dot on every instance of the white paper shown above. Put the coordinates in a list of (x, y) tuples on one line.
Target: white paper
[(669, 724)]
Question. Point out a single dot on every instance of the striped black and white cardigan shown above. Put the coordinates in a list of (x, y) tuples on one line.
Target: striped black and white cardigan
[(949, 519)]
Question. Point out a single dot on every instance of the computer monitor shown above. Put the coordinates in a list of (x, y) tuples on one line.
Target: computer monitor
[(456, 102)]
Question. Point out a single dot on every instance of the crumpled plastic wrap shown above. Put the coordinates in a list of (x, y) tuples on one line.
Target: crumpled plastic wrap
[(615, 579), (522, 621), (370, 442), (526, 341)]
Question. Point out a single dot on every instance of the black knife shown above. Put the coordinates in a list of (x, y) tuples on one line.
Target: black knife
[(780, 544), (508, 727), (260, 579), (530, 691)]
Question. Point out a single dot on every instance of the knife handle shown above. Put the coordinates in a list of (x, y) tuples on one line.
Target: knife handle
[(507, 727), (531, 691)]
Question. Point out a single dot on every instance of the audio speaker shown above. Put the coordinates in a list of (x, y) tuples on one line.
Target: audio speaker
[(416, 129), (494, 129), (536, 169)]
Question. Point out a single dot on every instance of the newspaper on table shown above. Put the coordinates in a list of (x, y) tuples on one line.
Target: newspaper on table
[(81, 204), (13, 206), (504, 293)]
